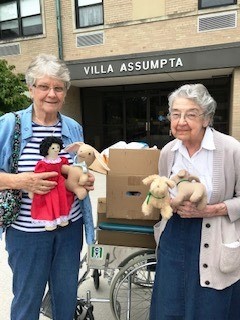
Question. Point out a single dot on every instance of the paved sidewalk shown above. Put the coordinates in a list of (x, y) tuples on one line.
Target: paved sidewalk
[(101, 310)]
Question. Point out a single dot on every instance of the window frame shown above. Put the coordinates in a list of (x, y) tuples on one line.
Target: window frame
[(77, 9), (200, 6), (20, 21)]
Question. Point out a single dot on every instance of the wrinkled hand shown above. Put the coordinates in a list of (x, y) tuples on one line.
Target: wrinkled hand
[(89, 185), (189, 210), (36, 182)]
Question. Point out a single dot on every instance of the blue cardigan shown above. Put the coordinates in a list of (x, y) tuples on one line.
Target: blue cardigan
[(71, 132)]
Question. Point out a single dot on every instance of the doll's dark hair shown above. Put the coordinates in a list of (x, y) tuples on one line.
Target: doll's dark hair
[(46, 144)]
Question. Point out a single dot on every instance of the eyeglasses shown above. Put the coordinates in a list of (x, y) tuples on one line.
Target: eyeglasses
[(45, 88), (186, 116)]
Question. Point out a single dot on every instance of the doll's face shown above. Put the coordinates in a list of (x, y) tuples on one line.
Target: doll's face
[(53, 151)]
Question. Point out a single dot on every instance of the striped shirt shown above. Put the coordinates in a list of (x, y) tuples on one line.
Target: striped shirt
[(27, 162)]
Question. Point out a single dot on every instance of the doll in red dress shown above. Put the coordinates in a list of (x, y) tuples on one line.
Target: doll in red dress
[(52, 208)]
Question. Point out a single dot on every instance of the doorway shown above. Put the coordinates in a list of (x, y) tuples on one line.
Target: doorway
[(146, 119), (139, 112)]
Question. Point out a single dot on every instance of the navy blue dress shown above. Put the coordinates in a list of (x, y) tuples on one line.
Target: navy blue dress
[(177, 294)]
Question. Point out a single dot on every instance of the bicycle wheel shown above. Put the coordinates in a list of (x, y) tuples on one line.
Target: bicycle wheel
[(131, 289)]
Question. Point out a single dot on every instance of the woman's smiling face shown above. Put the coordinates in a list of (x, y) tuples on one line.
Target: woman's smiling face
[(48, 94), (187, 121)]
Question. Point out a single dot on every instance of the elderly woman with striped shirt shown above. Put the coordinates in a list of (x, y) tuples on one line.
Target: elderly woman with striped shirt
[(36, 256)]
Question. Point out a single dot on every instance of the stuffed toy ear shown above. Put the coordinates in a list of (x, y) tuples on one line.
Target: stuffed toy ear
[(171, 183), (191, 178), (149, 179), (182, 173), (100, 160), (73, 147)]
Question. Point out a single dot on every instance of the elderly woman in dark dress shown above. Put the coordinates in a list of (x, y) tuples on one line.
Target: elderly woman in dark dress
[(198, 257)]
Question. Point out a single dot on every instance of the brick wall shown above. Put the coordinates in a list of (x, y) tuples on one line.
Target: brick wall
[(175, 28), (72, 106), (47, 43), (235, 105)]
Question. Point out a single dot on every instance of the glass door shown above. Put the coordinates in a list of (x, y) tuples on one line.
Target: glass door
[(139, 112), (136, 117), (158, 124), (146, 120)]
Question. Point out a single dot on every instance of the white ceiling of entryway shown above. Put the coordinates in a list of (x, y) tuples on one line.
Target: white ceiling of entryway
[(161, 77)]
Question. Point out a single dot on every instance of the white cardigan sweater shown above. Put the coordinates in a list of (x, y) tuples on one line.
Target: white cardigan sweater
[(219, 264)]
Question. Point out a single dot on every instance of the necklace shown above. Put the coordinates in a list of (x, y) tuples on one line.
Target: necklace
[(39, 122)]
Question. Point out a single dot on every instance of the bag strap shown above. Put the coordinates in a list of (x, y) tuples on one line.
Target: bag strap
[(16, 144)]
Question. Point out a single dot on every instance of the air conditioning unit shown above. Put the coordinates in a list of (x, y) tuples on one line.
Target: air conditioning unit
[(90, 39), (9, 49), (217, 21)]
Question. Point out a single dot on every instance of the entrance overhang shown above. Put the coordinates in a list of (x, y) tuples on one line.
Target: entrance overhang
[(163, 66), (179, 76)]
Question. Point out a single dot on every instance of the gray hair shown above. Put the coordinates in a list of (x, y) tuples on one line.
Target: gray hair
[(197, 93), (47, 65)]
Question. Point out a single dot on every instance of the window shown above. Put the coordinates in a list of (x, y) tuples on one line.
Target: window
[(20, 18), (89, 13), (203, 4)]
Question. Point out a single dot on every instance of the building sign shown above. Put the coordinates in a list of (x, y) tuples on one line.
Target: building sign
[(132, 66)]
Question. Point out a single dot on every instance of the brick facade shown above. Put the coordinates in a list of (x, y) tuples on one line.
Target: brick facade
[(130, 27), (235, 113)]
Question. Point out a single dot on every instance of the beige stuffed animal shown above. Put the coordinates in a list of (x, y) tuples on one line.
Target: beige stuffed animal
[(158, 195), (77, 174), (189, 188)]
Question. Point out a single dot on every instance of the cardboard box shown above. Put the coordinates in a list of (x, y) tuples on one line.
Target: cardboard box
[(102, 205), (118, 238), (102, 216), (125, 190)]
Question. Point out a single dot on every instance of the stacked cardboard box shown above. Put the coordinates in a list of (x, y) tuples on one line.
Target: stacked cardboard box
[(120, 238), (125, 195), (125, 190)]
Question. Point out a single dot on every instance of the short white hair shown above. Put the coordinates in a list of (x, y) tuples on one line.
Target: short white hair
[(47, 65), (197, 93)]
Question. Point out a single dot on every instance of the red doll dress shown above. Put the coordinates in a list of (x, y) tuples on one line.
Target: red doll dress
[(56, 204)]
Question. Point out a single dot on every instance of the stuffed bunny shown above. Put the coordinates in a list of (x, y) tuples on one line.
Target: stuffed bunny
[(189, 188), (77, 174), (158, 195)]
